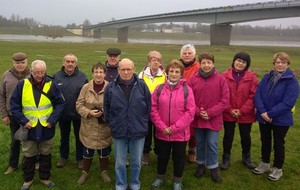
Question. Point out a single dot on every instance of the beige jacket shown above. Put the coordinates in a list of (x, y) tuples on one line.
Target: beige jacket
[(92, 135)]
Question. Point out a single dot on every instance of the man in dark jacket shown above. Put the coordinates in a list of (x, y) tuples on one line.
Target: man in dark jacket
[(112, 63), (127, 104), (37, 104), (70, 81)]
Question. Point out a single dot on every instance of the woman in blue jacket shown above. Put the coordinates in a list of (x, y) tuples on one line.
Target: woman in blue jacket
[(274, 99)]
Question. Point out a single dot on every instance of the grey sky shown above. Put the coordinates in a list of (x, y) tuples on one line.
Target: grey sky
[(62, 12)]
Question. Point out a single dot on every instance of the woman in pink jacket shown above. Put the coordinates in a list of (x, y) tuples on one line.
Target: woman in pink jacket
[(212, 97), (172, 111), (242, 85)]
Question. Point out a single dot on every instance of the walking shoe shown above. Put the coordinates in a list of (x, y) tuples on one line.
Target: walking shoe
[(191, 156), (61, 163), (200, 170), (145, 159), (276, 174), (48, 183), (26, 185), (262, 168), (225, 161), (10, 170), (157, 183), (215, 175), (247, 161), (177, 186), (105, 177)]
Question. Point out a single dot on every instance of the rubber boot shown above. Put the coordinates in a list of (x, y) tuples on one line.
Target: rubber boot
[(247, 161), (225, 161), (86, 165), (103, 168)]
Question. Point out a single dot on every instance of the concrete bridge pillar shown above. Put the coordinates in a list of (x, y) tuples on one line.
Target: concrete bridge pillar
[(123, 35), (220, 34), (88, 33), (97, 33)]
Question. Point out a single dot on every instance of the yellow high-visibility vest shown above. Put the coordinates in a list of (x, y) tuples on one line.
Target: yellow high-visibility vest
[(32, 112), (153, 82)]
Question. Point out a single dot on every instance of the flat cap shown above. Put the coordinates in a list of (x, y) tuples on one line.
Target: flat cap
[(19, 56), (113, 51)]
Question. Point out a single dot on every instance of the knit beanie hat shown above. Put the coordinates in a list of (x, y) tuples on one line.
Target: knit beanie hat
[(243, 56)]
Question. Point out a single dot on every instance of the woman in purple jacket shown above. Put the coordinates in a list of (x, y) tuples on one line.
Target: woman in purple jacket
[(172, 111), (242, 85), (212, 97)]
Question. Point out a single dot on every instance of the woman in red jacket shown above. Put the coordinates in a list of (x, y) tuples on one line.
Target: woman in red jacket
[(242, 85)]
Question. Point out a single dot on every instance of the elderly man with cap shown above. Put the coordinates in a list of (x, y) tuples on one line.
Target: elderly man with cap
[(112, 63), (9, 81)]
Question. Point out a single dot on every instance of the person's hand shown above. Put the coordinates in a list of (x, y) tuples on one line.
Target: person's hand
[(235, 113), (203, 114), (6, 120), (266, 117), (96, 113), (167, 131), (49, 125), (28, 125)]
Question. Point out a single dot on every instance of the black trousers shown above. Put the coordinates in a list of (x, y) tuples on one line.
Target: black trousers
[(164, 150), (148, 139), (65, 129), (267, 131), (15, 144), (245, 130)]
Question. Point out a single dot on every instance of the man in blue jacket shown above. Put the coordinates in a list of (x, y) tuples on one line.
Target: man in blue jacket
[(37, 104), (127, 104), (70, 81)]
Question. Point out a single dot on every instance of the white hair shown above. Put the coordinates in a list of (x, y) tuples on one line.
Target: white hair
[(188, 46), (38, 62)]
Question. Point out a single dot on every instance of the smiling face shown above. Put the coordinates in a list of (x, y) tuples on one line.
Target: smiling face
[(239, 65), (280, 65), (98, 75), (174, 74), (206, 65), (38, 71), (20, 66), (187, 56)]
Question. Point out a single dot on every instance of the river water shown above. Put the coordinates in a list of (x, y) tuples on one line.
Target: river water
[(80, 39)]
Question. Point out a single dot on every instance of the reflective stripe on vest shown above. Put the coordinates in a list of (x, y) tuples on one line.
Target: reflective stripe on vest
[(153, 82), (32, 112)]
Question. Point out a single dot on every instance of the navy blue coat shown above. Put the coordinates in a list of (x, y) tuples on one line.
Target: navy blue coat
[(38, 133), (127, 119), (280, 101)]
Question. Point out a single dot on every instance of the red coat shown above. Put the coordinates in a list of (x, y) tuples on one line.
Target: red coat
[(241, 97), (212, 95), (191, 70)]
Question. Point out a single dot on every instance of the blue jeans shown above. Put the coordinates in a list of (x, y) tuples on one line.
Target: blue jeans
[(65, 129), (207, 147), (135, 148)]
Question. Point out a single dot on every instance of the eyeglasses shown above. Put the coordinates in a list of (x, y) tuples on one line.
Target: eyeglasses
[(280, 62), (38, 73)]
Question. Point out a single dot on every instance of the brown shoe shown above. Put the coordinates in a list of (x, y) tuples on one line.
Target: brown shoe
[(105, 177), (26, 185), (145, 159), (61, 163), (192, 156), (10, 170), (80, 164)]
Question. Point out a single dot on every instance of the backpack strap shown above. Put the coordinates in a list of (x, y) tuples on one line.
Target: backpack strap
[(185, 93)]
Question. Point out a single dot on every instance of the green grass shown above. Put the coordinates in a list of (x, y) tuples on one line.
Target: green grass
[(237, 177)]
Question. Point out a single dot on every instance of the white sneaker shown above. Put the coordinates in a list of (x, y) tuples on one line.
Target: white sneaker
[(276, 174), (262, 168)]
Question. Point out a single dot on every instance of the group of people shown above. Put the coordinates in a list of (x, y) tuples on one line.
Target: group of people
[(185, 104)]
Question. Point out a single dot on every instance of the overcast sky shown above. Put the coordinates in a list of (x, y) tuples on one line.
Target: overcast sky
[(63, 12)]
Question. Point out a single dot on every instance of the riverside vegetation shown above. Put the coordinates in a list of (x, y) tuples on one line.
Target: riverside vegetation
[(237, 177)]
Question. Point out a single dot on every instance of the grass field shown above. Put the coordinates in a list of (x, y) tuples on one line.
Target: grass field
[(237, 177)]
